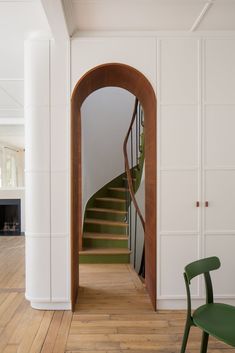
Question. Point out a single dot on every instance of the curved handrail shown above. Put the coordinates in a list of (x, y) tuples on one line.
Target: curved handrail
[(127, 166)]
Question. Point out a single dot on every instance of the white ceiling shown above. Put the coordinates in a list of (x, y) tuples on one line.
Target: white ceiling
[(157, 15), (17, 20)]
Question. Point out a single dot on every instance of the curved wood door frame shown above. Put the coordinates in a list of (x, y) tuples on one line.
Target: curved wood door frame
[(126, 77)]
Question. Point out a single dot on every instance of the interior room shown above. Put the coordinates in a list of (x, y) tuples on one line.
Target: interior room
[(117, 176)]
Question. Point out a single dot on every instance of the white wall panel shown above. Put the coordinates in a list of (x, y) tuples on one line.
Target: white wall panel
[(220, 71), (47, 196), (60, 269), (178, 192), (37, 138), (223, 279), (59, 56), (37, 65), (179, 70), (59, 203), (137, 52), (179, 136), (38, 268), (59, 138), (219, 135), (176, 252), (220, 193), (37, 201)]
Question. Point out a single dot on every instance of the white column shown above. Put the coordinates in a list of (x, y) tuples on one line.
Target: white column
[(47, 245)]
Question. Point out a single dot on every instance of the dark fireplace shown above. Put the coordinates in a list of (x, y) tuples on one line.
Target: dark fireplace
[(10, 221)]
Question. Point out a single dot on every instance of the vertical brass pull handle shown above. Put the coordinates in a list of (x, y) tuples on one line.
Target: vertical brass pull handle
[(197, 204), (206, 203)]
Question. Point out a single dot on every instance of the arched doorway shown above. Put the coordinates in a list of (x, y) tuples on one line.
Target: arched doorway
[(126, 77)]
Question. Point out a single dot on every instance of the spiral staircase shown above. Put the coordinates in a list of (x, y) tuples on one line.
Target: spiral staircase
[(107, 227)]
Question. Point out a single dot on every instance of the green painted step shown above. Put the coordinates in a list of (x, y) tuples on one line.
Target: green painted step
[(104, 235), (104, 226), (105, 255), (106, 213), (105, 222), (99, 242), (96, 209), (111, 199), (118, 192), (118, 189), (125, 178), (111, 202)]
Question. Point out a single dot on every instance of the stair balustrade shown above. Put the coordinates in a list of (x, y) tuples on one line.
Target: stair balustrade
[(133, 150)]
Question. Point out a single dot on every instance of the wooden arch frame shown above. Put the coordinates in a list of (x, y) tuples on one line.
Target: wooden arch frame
[(126, 77)]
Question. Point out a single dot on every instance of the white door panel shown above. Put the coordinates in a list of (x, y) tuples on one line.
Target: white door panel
[(220, 194), (219, 136), (179, 136), (173, 263), (178, 194), (223, 279)]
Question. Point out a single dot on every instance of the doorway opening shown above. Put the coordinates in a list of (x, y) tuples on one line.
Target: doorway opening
[(128, 78)]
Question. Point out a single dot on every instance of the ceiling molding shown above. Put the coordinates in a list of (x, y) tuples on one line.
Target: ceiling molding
[(12, 121), (202, 15), (69, 15), (56, 18)]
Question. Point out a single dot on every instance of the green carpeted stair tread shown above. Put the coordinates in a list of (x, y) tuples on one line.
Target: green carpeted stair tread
[(108, 210), (125, 178), (111, 199), (118, 189), (104, 236), (105, 251), (105, 222)]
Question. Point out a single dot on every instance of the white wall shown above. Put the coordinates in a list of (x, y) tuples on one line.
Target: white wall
[(106, 116), (47, 173), (194, 78)]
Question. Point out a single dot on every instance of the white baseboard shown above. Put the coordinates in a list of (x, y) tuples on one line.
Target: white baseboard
[(51, 306), (181, 304)]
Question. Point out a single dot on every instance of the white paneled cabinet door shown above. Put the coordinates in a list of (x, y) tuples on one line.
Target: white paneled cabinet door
[(219, 193), (179, 195), (179, 191), (219, 161), (196, 162)]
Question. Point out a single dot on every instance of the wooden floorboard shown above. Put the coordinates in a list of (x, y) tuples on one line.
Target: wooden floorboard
[(113, 315), (23, 329)]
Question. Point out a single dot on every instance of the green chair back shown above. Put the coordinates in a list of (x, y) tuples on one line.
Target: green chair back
[(203, 266)]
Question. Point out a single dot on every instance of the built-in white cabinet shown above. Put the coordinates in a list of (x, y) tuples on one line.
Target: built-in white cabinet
[(196, 184)]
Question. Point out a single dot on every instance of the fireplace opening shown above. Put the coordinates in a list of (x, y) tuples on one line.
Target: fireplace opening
[(10, 220)]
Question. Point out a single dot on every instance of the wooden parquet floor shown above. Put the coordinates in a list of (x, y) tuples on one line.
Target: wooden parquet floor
[(22, 329), (114, 314)]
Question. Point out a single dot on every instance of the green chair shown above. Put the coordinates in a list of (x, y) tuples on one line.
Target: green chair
[(213, 319)]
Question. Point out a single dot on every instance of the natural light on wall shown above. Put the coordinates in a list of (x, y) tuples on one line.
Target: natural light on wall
[(11, 167)]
